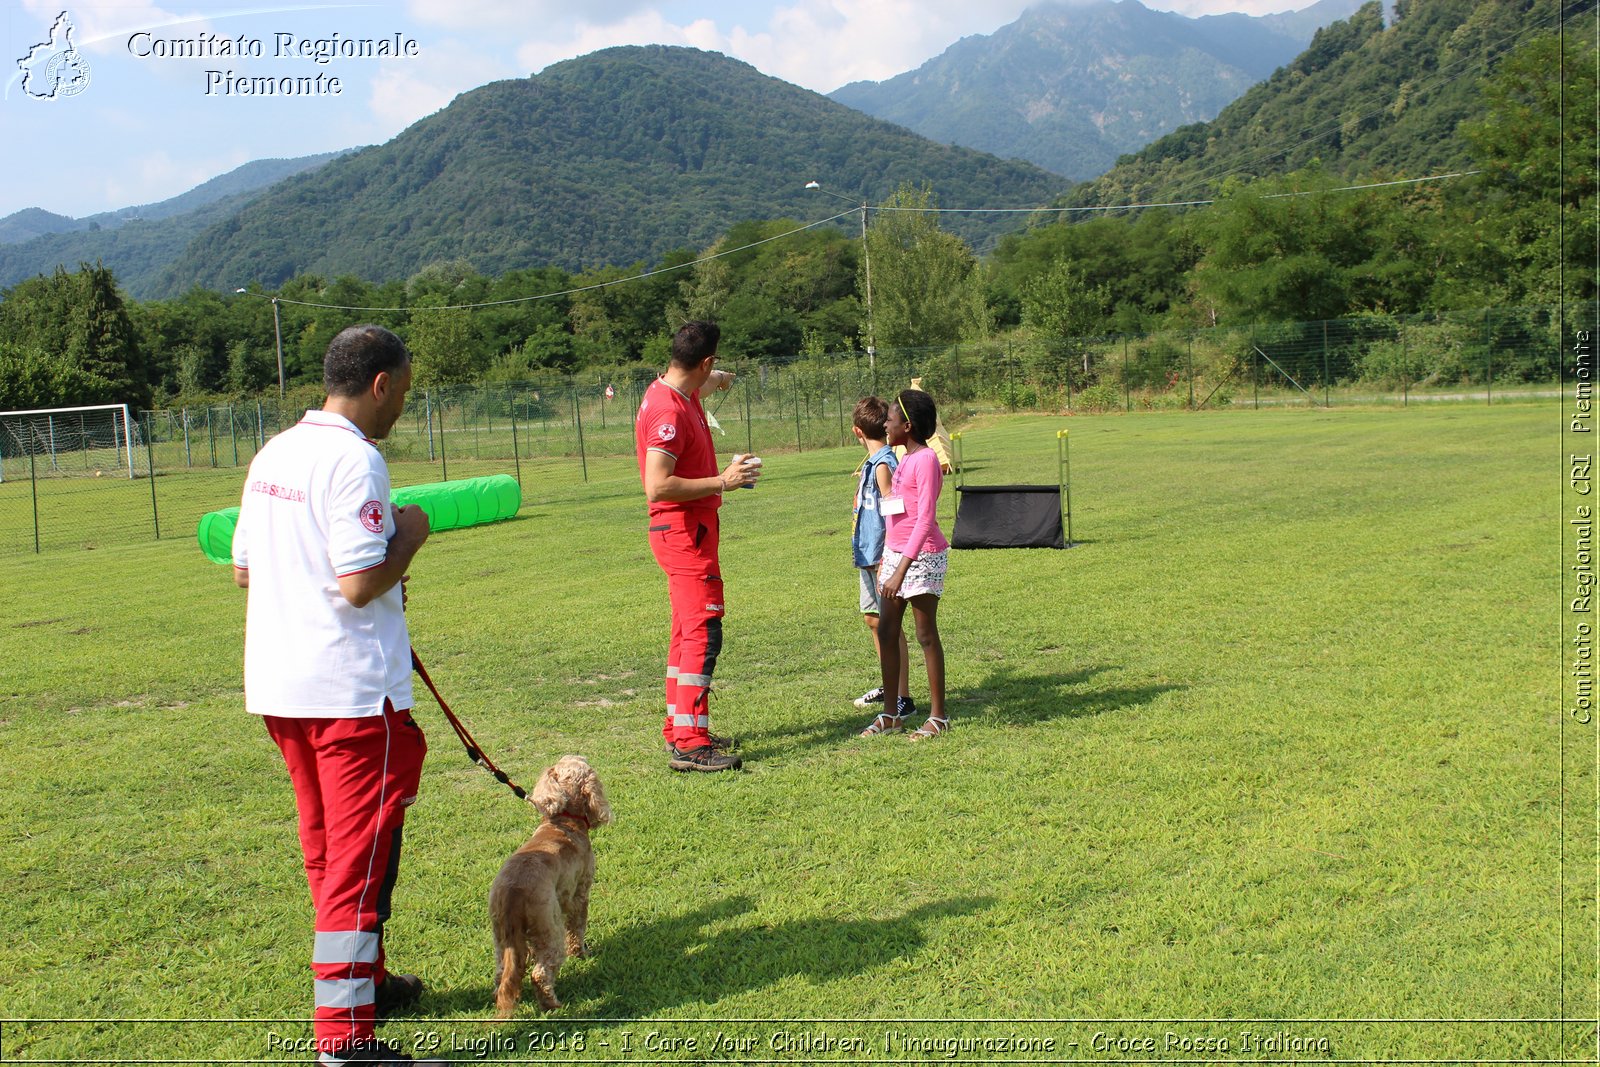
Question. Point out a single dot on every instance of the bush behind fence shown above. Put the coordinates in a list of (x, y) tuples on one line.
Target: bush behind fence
[(547, 430)]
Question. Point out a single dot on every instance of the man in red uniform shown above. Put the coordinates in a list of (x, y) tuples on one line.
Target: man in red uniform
[(678, 466), (327, 666)]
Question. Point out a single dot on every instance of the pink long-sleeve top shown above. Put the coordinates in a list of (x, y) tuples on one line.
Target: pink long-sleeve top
[(917, 481)]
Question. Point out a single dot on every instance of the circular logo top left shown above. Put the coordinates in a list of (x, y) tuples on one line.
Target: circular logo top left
[(54, 69)]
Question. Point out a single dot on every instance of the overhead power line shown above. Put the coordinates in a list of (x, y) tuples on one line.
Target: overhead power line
[(834, 218), (567, 292), (1175, 203)]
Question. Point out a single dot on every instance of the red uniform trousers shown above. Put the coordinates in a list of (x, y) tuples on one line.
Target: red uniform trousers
[(353, 780), (685, 546)]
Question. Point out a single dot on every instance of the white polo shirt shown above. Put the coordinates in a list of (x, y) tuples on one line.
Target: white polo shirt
[(315, 507)]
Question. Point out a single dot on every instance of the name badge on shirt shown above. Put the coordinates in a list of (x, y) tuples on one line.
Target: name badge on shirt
[(891, 505)]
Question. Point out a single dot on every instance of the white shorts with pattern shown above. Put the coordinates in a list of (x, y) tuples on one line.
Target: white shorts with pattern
[(925, 575)]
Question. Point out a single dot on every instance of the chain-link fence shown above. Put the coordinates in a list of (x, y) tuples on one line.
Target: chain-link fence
[(1370, 359), (548, 431)]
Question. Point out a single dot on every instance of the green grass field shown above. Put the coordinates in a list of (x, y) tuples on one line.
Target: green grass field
[(1281, 739)]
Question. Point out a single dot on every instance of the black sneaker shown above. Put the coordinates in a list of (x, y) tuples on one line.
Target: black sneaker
[(373, 1051), (718, 742), (905, 707), (397, 992), (870, 697), (704, 758)]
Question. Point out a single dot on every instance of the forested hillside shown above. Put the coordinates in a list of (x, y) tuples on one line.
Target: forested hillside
[(1364, 99), (139, 251), (137, 243), (1429, 281), (617, 156)]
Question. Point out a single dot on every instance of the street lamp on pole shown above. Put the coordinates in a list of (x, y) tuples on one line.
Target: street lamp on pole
[(277, 336), (866, 263)]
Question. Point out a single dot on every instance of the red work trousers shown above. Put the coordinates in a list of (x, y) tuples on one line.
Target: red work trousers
[(685, 546), (353, 780)]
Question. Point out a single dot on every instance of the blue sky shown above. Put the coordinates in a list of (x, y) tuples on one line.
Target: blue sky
[(149, 124)]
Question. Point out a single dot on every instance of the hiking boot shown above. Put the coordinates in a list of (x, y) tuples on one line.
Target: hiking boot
[(397, 992), (704, 758), (870, 697), (373, 1051), (718, 742)]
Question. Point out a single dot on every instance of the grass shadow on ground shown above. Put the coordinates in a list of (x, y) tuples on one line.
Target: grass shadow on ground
[(645, 969), (1016, 698), (831, 732), (1005, 697), (655, 966)]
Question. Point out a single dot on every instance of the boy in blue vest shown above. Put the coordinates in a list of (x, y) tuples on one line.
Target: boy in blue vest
[(867, 531)]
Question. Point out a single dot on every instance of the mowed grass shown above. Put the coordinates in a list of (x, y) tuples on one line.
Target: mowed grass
[(1279, 740)]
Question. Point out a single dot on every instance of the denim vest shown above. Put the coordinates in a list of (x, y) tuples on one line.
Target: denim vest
[(868, 530)]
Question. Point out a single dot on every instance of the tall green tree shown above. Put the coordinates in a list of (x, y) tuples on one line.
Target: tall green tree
[(31, 378), (445, 347), (249, 368), (1539, 119), (1301, 249), (526, 315), (78, 320), (618, 310), (769, 286), (1142, 262), (925, 287), (185, 339), (1066, 309)]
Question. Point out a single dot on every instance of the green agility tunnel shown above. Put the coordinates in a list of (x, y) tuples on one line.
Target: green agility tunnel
[(449, 506)]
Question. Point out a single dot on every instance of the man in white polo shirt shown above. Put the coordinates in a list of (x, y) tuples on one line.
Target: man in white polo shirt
[(327, 665)]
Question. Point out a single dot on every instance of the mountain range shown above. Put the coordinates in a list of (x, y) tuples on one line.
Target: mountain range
[(1366, 98), (629, 154), (138, 243), (1071, 86), (621, 155), (252, 177)]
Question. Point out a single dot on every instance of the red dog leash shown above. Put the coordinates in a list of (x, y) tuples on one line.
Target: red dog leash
[(474, 753)]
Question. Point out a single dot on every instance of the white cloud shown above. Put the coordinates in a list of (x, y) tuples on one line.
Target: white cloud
[(103, 28), (519, 14), (405, 90), (154, 175), (649, 28), (1196, 8), (823, 44), (818, 44)]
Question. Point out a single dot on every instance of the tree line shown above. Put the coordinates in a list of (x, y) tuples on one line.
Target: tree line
[(1293, 248)]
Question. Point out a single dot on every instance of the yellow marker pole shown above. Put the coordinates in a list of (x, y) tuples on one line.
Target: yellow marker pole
[(961, 477), (1064, 472)]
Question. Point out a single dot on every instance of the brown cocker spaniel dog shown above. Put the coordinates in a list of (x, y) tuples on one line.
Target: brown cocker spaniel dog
[(539, 903)]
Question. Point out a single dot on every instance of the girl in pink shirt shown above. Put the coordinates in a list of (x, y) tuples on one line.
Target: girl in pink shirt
[(915, 555)]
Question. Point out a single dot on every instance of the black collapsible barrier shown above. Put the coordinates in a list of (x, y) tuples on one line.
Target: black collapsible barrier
[(1008, 516), (1014, 516)]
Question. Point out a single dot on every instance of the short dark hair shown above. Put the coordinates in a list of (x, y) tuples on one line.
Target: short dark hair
[(870, 415), (358, 355), (693, 342), (919, 411)]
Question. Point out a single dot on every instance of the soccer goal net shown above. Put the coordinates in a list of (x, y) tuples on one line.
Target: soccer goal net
[(97, 441)]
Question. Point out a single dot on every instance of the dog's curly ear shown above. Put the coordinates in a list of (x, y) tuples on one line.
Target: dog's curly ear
[(550, 793), (594, 796)]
